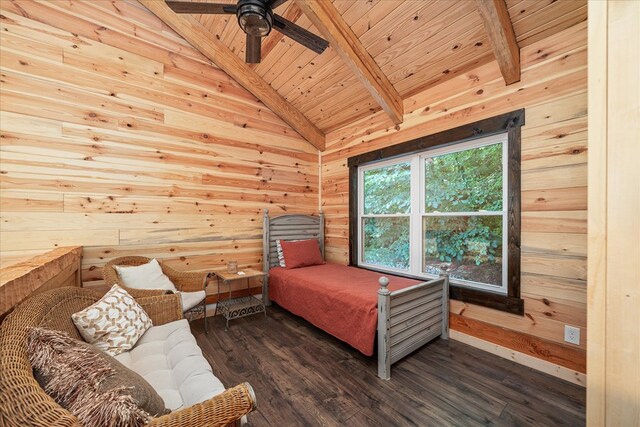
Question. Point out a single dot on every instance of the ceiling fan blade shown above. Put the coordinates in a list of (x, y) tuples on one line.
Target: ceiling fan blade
[(275, 3), (201, 8), (299, 34), (252, 49)]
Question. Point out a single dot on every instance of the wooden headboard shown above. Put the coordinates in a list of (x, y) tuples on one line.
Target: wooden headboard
[(289, 227), (54, 269)]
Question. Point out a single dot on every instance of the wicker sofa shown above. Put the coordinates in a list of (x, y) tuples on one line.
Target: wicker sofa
[(24, 403)]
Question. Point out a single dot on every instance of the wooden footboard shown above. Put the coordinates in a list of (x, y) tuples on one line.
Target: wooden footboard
[(409, 318)]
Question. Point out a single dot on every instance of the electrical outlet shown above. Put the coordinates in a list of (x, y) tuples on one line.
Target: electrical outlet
[(572, 334)]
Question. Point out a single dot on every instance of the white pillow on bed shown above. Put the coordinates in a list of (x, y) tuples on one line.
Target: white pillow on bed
[(280, 254)]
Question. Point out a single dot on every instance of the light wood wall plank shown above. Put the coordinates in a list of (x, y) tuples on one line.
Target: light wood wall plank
[(21, 201), (613, 351), (119, 136), (48, 239)]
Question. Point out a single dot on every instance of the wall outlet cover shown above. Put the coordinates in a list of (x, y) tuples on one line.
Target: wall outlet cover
[(572, 334)]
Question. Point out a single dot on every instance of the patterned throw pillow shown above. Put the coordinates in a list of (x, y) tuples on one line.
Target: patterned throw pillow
[(113, 324)]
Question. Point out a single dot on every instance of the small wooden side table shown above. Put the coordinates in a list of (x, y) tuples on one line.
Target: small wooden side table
[(233, 308)]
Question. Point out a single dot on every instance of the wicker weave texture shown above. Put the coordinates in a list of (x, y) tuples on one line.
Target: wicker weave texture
[(162, 308), (24, 403), (220, 410)]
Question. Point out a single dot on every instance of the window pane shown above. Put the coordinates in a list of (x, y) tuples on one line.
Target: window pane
[(471, 247), (387, 190), (465, 181), (386, 242)]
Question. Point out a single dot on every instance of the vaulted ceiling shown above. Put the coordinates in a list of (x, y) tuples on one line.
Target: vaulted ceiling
[(415, 43)]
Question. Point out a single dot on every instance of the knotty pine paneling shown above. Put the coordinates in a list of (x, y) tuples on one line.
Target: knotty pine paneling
[(118, 136), (554, 180)]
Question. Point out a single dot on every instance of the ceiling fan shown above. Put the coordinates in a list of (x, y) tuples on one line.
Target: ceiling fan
[(256, 18)]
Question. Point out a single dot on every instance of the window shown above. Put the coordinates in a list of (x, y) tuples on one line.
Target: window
[(441, 207), (449, 200), (386, 219)]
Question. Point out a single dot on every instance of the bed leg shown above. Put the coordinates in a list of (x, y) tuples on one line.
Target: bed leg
[(445, 307), (265, 290), (384, 312)]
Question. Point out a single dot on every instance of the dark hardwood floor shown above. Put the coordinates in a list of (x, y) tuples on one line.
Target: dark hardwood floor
[(304, 377)]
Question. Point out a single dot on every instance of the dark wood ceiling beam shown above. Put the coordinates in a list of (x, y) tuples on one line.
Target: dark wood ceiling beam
[(200, 38), (343, 40), (503, 39)]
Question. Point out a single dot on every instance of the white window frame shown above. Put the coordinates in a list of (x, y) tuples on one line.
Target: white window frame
[(417, 211)]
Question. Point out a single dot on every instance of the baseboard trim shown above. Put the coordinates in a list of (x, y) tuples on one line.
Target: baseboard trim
[(524, 359)]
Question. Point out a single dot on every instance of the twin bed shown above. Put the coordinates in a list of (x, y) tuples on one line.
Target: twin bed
[(403, 314)]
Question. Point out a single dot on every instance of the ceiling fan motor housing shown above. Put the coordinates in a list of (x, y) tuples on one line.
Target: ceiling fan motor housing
[(254, 17)]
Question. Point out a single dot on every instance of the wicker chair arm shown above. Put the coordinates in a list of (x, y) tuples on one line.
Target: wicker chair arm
[(221, 410), (185, 281), (145, 293), (110, 275), (162, 308)]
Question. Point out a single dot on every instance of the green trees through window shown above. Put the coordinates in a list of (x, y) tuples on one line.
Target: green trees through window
[(460, 223), (464, 182), (387, 193), (387, 190)]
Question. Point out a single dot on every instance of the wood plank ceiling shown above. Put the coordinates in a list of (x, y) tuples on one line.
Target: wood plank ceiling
[(416, 43)]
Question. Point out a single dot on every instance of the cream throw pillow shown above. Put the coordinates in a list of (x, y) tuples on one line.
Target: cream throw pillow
[(145, 276), (113, 324)]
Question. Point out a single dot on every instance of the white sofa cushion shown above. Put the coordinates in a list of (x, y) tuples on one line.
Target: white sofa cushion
[(169, 358), (145, 276), (191, 299)]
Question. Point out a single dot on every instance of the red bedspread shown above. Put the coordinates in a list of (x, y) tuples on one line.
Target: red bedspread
[(338, 299)]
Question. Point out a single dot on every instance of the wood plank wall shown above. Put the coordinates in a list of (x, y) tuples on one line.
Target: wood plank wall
[(613, 384), (118, 136), (554, 186)]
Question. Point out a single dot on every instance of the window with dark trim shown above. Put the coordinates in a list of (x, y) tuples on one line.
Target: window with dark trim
[(414, 208)]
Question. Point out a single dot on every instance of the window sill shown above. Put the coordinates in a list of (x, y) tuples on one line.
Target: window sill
[(491, 300)]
